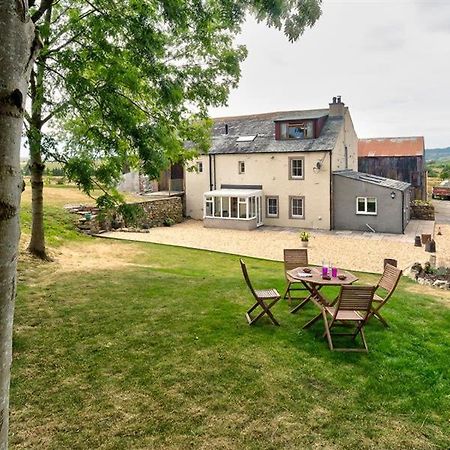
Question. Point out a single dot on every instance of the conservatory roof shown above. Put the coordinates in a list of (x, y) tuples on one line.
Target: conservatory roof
[(233, 193)]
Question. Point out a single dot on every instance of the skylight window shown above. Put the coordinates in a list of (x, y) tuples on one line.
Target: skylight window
[(246, 138)]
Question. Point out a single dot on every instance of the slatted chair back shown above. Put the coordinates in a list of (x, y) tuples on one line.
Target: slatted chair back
[(246, 277), (389, 280), (295, 257), (355, 298)]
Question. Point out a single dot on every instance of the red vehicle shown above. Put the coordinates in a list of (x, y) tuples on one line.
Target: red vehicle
[(442, 191)]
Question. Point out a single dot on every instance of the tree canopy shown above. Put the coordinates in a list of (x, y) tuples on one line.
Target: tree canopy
[(116, 83), (128, 84)]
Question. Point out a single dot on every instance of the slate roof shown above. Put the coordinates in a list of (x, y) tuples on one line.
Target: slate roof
[(395, 146), (263, 126), (373, 179)]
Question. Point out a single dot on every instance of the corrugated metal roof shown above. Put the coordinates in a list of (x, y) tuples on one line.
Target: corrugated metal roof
[(395, 146), (263, 126), (373, 179)]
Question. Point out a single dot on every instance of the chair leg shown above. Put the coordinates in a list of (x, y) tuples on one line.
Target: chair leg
[(272, 318), (286, 292), (363, 337), (301, 305), (312, 321), (381, 319), (255, 319), (358, 330), (253, 308), (265, 310)]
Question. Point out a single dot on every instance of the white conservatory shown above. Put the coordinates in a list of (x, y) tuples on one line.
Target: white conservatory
[(233, 208)]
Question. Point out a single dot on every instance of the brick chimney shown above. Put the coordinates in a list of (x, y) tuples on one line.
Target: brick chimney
[(337, 108)]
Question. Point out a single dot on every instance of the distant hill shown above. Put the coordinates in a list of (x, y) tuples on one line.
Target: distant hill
[(437, 154)]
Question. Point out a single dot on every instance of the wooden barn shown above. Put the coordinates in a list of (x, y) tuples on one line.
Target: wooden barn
[(401, 158)]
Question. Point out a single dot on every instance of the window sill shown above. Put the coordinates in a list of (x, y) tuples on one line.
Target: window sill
[(229, 218), (366, 214)]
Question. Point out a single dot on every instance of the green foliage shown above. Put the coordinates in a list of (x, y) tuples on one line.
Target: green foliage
[(432, 172), (59, 225), (421, 203), (304, 236), (168, 222), (130, 86), (439, 169), (445, 172), (132, 214)]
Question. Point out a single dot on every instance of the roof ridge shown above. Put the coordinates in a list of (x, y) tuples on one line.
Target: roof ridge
[(268, 114)]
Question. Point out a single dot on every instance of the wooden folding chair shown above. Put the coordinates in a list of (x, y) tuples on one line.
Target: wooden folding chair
[(264, 299), (352, 306), (293, 258), (388, 283)]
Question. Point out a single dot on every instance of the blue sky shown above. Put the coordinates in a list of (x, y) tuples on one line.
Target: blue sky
[(390, 61)]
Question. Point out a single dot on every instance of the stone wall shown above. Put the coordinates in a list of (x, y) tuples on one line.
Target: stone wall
[(159, 211), (421, 210)]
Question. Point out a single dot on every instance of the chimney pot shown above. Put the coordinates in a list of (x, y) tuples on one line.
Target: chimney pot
[(337, 108)]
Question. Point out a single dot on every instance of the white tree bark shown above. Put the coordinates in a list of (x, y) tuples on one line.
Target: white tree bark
[(17, 52)]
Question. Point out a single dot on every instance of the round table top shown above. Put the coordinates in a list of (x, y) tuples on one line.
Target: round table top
[(315, 276)]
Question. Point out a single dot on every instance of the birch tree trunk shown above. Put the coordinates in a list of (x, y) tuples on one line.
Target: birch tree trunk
[(17, 52)]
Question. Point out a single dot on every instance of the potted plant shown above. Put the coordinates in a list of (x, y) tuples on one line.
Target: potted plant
[(304, 238)]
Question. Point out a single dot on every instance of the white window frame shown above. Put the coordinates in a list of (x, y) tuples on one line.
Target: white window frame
[(268, 213), (291, 169), (365, 212), (291, 207), (224, 203), (241, 167), (209, 201)]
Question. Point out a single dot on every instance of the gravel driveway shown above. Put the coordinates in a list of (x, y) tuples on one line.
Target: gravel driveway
[(364, 252), (442, 211)]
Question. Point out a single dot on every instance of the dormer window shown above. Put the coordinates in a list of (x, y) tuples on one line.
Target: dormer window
[(296, 130)]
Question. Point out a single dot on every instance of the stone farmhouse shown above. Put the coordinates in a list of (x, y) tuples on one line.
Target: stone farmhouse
[(287, 169)]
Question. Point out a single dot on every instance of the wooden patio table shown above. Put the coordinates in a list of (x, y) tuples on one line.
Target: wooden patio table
[(314, 283)]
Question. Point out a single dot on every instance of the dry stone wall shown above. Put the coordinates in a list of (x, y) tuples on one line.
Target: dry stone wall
[(158, 212), (154, 212)]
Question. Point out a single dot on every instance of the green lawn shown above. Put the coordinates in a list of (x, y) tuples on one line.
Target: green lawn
[(156, 354)]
